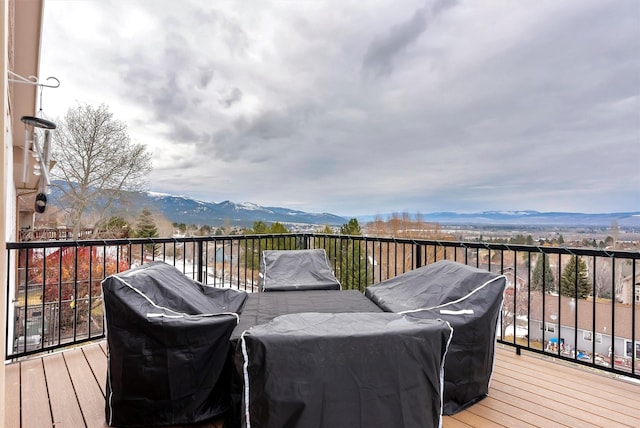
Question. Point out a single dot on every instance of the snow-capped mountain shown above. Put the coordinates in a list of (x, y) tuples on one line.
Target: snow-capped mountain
[(190, 211), (183, 209)]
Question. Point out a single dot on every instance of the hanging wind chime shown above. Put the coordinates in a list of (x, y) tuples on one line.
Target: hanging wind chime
[(36, 144), (41, 154)]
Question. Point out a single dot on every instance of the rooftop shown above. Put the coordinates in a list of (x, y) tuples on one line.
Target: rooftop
[(67, 389)]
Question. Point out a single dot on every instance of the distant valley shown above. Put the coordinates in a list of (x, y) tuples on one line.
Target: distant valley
[(190, 211), (528, 218)]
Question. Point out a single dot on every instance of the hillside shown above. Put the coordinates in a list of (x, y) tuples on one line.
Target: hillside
[(190, 211), (181, 209)]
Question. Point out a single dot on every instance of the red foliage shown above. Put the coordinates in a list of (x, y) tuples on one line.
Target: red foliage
[(73, 272)]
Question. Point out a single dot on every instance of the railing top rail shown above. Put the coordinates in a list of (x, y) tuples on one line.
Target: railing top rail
[(126, 241), (626, 254)]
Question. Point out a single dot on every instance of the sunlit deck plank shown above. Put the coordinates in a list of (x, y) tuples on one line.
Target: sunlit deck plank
[(615, 392), (12, 395), (471, 419), (450, 422), (584, 391), (35, 399), (97, 361), (65, 409), (587, 405), (573, 394), (485, 410), (87, 389), (531, 414)]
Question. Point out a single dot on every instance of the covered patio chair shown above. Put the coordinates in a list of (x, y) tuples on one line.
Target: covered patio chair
[(167, 347), (288, 270), (470, 299)]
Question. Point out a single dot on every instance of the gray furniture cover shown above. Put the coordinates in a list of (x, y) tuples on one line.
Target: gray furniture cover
[(168, 345), (286, 270), (314, 370), (470, 299), (260, 308)]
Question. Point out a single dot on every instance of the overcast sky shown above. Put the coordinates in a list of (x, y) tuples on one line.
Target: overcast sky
[(365, 107)]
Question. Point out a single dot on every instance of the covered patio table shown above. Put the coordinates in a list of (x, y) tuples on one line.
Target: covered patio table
[(332, 358), (260, 308)]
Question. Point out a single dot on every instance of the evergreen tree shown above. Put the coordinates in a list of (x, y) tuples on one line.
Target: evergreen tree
[(146, 226), (278, 228), (353, 271), (351, 228), (326, 230), (254, 249), (259, 228), (575, 268), (538, 283)]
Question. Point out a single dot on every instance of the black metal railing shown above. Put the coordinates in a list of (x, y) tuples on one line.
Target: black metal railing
[(578, 305)]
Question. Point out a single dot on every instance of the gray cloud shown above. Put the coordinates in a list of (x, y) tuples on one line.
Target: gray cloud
[(379, 57), (381, 52), (231, 97), (357, 109)]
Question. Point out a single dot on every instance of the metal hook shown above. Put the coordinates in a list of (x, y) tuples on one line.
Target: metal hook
[(33, 80)]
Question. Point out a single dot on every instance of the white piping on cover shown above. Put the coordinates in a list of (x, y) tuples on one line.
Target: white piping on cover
[(245, 373), (177, 314), (444, 357), (455, 301)]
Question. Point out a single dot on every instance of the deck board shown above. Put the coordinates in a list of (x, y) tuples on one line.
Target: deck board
[(544, 416), (34, 395), (487, 412), (87, 389), (526, 391), (65, 409), (96, 358), (578, 402), (497, 410), (606, 383), (472, 420), (12, 395), (449, 422), (578, 394)]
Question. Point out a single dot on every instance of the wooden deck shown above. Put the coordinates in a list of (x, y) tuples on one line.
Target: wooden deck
[(67, 389)]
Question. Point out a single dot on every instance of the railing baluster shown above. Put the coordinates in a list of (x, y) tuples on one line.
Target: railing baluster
[(634, 300)]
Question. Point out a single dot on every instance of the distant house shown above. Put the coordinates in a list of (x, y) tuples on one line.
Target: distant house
[(593, 333), (630, 290), (227, 253), (514, 282)]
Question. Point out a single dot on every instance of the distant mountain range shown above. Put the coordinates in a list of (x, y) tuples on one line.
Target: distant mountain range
[(186, 210), (182, 209), (528, 218)]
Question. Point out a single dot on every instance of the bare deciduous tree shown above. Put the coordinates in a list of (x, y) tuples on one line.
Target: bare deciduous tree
[(96, 163)]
